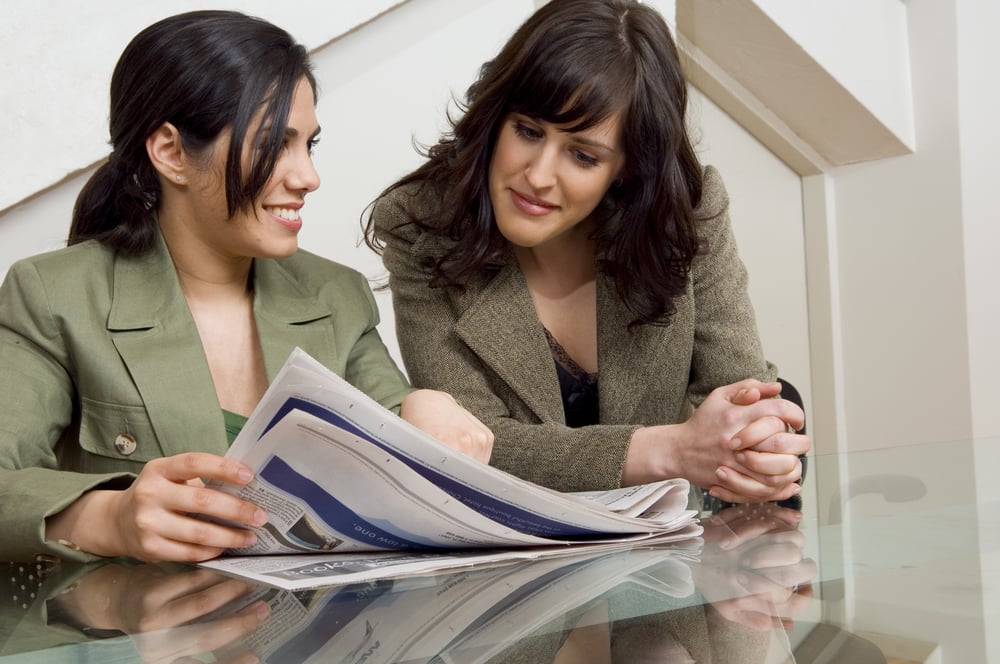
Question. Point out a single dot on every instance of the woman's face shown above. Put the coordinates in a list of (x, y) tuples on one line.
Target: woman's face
[(545, 181), (270, 227)]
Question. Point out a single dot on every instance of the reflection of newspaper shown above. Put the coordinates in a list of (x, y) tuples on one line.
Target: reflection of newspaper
[(466, 616), (338, 472), (298, 572)]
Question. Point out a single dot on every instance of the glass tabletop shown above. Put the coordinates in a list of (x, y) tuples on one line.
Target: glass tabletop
[(898, 562)]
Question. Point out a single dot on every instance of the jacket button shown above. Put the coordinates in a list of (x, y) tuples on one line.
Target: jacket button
[(125, 444)]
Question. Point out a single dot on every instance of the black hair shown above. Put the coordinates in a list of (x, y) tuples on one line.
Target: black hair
[(201, 71)]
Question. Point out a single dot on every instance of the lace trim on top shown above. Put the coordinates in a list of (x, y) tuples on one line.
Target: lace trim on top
[(567, 362)]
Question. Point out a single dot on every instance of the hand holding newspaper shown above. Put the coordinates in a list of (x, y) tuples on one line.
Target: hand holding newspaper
[(337, 472)]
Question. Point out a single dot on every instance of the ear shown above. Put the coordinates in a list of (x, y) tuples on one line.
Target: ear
[(166, 152)]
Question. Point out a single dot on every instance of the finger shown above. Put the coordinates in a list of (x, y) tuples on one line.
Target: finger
[(748, 490), (797, 575), (187, 499), (165, 588), (201, 638), (168, 535), (768, 463), (745, 390), (783, 442), (774, 481), (193, 606), (193, 465), (777, 416)]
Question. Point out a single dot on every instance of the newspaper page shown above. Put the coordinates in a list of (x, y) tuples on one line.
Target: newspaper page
[(308, 571), (337, 472)]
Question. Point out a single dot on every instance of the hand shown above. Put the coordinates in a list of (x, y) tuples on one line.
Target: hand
[(438, 414), (170, 612), (157, 517), (766, 451), (732, 420), (752, 568)]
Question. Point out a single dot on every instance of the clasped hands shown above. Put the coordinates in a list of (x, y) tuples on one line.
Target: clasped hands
[(740, 444), (760, 460)]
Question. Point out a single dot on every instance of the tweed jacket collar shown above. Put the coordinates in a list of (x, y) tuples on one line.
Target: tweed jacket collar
[(499, 324), (152, 328)]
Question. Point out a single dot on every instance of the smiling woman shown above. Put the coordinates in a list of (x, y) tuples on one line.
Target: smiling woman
[(565, 266), (131, 358)]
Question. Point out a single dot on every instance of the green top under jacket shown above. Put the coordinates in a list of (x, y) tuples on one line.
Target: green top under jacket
[(485, 345), (94, 345)]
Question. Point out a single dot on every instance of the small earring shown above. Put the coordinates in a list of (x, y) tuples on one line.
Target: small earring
[(619, 182), (178, 178)]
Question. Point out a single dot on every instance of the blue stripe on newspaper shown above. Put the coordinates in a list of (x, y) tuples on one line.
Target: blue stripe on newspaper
[(336, 614), (489, 506), (335, 513)]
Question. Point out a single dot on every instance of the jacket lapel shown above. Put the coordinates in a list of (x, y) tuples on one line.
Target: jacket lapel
[(500, 326), (155, 335), (283, 311), (629, 362)]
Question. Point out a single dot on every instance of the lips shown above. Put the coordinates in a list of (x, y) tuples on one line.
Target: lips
[(286, 216), (530, 205)]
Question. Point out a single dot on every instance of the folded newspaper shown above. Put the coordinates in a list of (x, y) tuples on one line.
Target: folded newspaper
[(337, 472)]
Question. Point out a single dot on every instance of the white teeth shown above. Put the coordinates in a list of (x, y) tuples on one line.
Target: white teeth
[(285, 213)]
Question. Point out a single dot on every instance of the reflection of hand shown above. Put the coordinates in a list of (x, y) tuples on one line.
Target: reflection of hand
[(160, 607), (752, 570), (438, 414)]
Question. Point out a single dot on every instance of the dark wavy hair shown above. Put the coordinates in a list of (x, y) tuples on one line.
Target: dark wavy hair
[(575, 63), (202, 71)]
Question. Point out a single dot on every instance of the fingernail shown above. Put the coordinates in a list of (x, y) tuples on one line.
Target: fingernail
[(259, 518), (263, 611), (720, 473), (741, 457), (735, 444), (244, 475), (249, 540)]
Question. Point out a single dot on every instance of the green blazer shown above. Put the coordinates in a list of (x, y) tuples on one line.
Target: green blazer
[(485, 345), (94, 344)]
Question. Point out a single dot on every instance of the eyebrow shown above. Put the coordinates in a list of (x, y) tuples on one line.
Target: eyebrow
[(292, 132), (593, 143)]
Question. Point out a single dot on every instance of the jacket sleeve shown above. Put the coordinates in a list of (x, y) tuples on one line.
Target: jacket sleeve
[(370, 368), (36, 407), (727, 346), (544, 452)]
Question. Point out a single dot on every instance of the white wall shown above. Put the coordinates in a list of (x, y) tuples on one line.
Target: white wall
[(56, 67), (875, 67), (979, 140)]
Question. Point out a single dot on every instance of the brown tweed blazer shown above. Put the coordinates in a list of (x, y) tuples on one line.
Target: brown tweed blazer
[(485, 345)]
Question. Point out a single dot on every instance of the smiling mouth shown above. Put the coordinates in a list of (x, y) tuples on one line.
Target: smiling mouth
[(530, 205), (288, 217), (288, 214)]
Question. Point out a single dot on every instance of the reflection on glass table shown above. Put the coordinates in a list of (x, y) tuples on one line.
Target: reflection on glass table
[(728, 597)]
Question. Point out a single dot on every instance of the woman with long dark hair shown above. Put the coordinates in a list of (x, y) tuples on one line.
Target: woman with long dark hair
[(130, 359), (564, 265)]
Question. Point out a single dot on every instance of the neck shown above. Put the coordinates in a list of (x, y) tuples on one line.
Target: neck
[(562, 269), (203, 272)]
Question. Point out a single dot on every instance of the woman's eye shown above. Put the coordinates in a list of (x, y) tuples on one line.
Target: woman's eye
[(311, 144), (527, 131), (585, 159)]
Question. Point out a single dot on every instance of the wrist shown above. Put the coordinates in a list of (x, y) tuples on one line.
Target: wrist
[(653, 454), (87, 524)]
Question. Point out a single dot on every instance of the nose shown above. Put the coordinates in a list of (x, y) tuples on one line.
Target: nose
[(304, 177), (541, 168)]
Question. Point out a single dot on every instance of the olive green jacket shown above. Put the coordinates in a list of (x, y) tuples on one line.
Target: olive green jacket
[(94, 345), (485, 345)]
